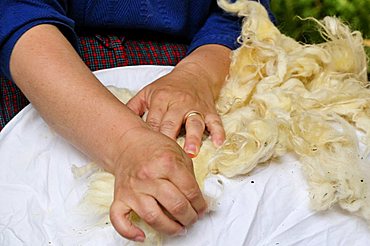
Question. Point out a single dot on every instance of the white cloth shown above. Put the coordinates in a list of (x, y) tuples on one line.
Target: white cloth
[(39, 195)]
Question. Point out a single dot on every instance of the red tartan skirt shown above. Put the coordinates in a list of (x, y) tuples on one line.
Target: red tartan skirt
[(101, 52)]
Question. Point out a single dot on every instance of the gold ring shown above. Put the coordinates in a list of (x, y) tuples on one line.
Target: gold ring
[(193, 113)]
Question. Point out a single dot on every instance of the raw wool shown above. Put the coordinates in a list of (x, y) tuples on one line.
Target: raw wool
[(282, 96), (317, 93)]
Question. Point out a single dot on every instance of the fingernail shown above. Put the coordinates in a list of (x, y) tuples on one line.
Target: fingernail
[(191, 150), (219, 143), (183, 232), (201, 215), (139, 239)]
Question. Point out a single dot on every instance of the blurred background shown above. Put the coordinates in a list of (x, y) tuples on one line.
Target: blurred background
[(355, 13)]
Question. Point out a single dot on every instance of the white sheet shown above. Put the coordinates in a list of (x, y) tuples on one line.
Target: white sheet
[(39, 195)]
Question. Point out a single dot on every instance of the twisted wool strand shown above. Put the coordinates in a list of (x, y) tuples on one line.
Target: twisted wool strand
[(283, 96)]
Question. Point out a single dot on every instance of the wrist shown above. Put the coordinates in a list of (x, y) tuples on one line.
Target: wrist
[(197, 73), (210, 63), (123, 140)]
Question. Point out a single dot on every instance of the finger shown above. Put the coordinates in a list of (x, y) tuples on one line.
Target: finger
[(155, 115), (119, 216), (194, 126), (171, 123), (184, 180), (137, 104), (173, 201), (148, 210), (214, 125)]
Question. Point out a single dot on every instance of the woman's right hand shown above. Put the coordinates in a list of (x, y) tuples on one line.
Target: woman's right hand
[(153, 174), (155, 179)]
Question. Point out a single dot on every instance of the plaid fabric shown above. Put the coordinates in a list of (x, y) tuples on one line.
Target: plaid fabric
[(12, 101), (101, 52)]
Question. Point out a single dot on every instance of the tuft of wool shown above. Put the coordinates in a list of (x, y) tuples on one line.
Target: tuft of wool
[(283, 96), (319, 94)]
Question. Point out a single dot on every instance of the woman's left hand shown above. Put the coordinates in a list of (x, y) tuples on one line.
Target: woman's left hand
[(181, 97), (187, 96)]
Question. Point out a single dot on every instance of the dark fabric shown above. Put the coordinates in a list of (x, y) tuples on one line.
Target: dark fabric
[(101, 52), (107, 51), (12, 101), (196, 22)]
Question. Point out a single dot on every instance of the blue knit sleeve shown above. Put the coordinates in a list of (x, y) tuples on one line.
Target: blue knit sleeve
[(222, 28), (16, 17)]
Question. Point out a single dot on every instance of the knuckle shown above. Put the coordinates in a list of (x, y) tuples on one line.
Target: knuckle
[(179, 208), (167, 125), (193, 194), (168, 160), (168, 163), (182, 96), (151, 217), (216, 120), (145, 173), (168, 157), (162, 164), (162, 93), (153, 123), (186, 97)]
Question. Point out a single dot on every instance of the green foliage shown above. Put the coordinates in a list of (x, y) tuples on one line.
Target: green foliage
[(354, 13)]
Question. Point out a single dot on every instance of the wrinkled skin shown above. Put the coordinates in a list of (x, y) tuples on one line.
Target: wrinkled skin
[(154, 176), (162, 178), (170, 98)]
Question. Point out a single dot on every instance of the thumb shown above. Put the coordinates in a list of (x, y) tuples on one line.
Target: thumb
[(137, 104), (119, 216)]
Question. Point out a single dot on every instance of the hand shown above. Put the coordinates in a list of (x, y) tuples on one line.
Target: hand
[(154, 176), (169, 99), (152, 172)]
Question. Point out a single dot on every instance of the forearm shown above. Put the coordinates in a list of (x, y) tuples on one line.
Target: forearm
[(210, 62), (68, 96)]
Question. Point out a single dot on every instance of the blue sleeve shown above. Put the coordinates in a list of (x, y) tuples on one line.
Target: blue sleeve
[(16, 17), (222, 28)]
